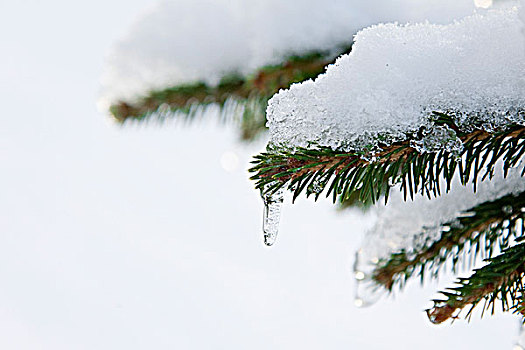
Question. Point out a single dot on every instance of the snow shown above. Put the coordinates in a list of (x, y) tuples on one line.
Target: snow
[(186, 41), (413, 224), (396, 75)]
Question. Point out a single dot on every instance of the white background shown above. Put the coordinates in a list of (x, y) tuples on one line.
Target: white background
[(137, 238)]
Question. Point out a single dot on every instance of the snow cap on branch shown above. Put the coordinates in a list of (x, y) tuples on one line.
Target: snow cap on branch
[(396, 75), (185, 41)]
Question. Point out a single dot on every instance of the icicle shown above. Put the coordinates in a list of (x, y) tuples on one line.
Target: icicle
[(520, 343), (367, 292), (272, 215)]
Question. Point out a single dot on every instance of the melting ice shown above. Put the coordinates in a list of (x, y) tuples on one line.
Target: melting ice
[(272, 215)]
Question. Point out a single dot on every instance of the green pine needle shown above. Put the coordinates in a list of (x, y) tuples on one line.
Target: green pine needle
[(480, 230), (499, 282), (348, 174), (251, 92)]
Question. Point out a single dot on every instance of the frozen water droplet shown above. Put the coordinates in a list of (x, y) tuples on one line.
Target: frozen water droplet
[(272, 215)]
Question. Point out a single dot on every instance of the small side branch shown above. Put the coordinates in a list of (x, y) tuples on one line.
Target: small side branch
[(479, 230), (500, 280), (253, 90), (347, 174)]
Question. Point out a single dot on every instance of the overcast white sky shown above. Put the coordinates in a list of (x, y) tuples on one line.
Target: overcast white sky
[(136, 238)]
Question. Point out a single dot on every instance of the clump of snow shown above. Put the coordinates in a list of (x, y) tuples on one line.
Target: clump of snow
[(396, 75), (410, 225), (186, 41)]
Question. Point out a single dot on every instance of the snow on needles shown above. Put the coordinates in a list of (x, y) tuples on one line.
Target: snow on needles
[(396, 75), (409, 225), (184, 41)]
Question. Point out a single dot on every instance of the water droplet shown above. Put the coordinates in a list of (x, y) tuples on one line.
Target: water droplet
[(272, 215)]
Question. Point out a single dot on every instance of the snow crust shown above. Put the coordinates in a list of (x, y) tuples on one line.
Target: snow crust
[(185, 41), (396, 75)]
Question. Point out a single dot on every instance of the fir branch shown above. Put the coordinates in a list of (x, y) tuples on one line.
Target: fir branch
[(252, 92), (371, 175), (479, 230), (501, 279)]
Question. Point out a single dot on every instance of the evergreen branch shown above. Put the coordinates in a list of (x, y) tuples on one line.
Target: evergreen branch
[(370, 175), (501, 279), (251, 92), (479, 230)]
